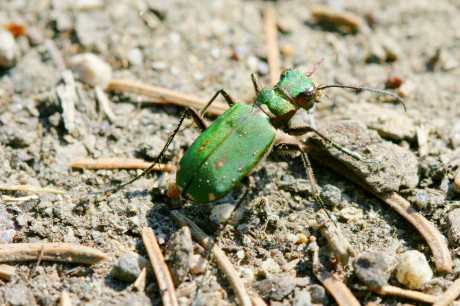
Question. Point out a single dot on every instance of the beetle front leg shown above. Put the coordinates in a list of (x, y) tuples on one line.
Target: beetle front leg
[(228, 98), (301, 130)]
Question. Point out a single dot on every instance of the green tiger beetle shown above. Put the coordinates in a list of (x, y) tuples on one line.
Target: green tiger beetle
[(229, 149)]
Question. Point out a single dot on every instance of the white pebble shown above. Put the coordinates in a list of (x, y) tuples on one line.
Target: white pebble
[(413, 270), (246, 273), (270, 267), (8, 49), (292, 238), (221, 213), (253, 63), (198, 264), (91, 69), (135, 57)]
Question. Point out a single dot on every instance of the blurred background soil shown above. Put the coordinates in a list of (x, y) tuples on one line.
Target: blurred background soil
[(198, 47)]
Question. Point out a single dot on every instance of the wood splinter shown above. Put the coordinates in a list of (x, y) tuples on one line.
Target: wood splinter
[(53, 251)]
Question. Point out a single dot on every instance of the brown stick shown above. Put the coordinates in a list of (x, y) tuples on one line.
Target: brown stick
[(165, 96), (333, 285), (222, 260), (29, 188), (273, 51), (433, 237), (449, 295), (104, 103), (7, 272), (164, 279), (408, 294), (61, 252), (111, 163), (139, 284), (8, 199)]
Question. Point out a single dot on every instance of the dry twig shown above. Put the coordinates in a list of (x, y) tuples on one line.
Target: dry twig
[(164, 279), (449, 295), (435, 240), (8, 199), (62, 252), (111, 163), (104, 103), (333, 285), (273, 52), (139, 284), (343, 21), (422, 139), (7, 272), (404, 293), (165, 96), (29, 188), (222, 260)]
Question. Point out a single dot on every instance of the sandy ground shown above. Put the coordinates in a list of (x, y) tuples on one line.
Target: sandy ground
[(198, 47)]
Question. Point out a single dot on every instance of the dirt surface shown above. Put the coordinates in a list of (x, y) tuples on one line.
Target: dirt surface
[(198, 47)]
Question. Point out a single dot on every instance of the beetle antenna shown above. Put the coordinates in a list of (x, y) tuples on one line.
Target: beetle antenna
[(309, 74), (380, 91)]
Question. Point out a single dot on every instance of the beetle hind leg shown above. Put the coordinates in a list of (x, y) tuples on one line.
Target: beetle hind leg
[(199, 122), (291, 145)]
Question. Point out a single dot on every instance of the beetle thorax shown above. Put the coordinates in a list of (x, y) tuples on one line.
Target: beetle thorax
[(293, 91)]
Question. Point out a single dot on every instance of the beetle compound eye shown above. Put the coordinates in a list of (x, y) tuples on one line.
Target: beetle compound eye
[(306, 99), (309, 94)]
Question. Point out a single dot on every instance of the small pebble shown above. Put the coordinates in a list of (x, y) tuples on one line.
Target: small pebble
[(302, 239), (252, 62), (453, 219), (198, 264), (270, 267), (19, 295), (8, 49), (292, 238), (128, 267), (246, 273), (302, 297), (279, 287), (135, 57), (331, 195), (371, 268), (318, 294), (413, 270), (221, 213), (159, 66), (218, 27), (429, 198), (91, 69), (351, 213), (160, 8)]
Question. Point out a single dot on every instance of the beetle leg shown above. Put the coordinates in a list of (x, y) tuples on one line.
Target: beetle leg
[(256, 82), (301, 130), (162, 153), (228, 98), (198, 119), (308, 168)]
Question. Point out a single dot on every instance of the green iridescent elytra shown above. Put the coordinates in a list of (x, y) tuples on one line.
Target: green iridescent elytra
[(225, 153), (238, 140)]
